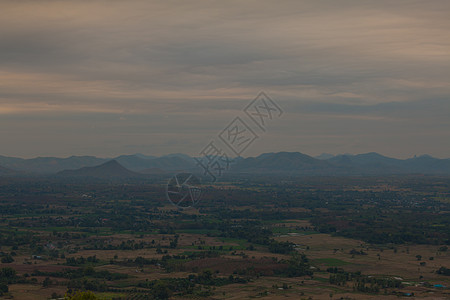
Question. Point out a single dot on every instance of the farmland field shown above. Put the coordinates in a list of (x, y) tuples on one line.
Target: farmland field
[(304, 243)]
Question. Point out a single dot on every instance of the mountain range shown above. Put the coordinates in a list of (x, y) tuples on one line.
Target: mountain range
[(136, 162), (294, 163)]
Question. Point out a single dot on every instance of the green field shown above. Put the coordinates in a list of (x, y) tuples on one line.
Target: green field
[(330, 262)]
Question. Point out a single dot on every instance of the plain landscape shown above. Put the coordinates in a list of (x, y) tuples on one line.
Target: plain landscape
[(103, 228)]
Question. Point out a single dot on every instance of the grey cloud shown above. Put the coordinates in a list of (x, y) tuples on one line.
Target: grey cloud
[(182, 68), (423, 107)]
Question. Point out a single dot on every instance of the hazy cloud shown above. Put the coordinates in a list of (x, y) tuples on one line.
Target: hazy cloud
[(114, 77)]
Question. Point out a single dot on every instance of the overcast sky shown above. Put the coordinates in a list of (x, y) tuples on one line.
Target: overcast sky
[(155, 77)]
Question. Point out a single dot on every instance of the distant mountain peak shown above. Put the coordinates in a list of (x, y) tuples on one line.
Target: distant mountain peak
[(112, 163), (281, 162), (375, 154), (109, 169)]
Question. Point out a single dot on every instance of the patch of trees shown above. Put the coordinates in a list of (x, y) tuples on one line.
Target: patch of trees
[(77, 261), (7, 258), (193, 285), (167, 260), (281, 247), (82, 272), (15, 238), (255, 232), (79, 295), (383, 226), (7, 276), (443, 271), (124, 245), (252, 231), (298, 265), (361, 283), (86, 284), (356, 252)]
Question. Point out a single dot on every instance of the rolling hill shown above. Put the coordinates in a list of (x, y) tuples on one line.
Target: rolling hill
[(282, 162), (49, 165), (137, 162), (368, 163), (109, 170), (360, 164), (376, 164)]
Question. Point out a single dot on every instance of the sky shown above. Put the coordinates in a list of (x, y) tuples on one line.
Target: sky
[(112, 77)]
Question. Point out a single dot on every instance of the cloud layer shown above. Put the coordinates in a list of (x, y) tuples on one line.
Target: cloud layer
[(113, 77)]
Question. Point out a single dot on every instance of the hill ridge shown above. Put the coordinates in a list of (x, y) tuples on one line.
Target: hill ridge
[(109, 169)]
